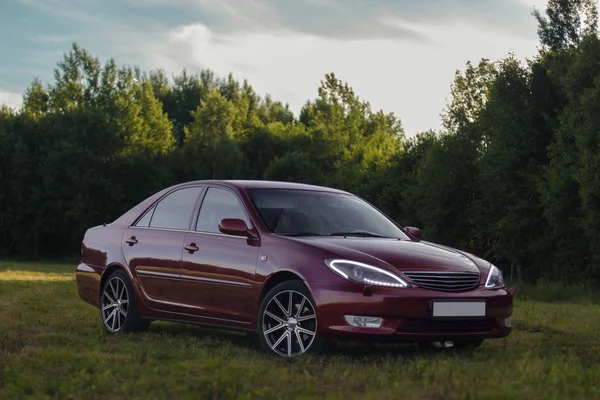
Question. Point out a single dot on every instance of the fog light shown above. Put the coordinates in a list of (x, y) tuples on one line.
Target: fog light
[(507, 322), (363, 322)]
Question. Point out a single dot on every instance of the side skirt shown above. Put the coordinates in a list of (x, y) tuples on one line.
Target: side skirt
[(204, 324)]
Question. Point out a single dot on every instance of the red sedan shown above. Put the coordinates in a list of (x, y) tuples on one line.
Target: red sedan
[(297, 264)]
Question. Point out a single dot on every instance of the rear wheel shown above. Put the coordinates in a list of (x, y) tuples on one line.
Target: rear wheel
[(118, 306), (288, 320)]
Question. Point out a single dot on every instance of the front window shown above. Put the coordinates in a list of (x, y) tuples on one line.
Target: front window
[(314, 213), (219, 204)]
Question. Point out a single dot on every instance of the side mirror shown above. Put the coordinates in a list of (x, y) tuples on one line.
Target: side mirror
[(234, 226), (416, 232)]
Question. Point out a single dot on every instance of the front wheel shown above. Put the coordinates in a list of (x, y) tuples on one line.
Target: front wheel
[(287, 323), (118, 307)]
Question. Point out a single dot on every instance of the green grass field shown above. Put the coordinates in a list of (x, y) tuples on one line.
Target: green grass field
[(52, 346)]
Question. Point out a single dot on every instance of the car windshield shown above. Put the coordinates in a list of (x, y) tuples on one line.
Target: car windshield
[(315, 213)]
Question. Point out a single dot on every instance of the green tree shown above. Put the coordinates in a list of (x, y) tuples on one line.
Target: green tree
[(293, 167), (469, 95), (567, 22), (211, 151), (508, 215)]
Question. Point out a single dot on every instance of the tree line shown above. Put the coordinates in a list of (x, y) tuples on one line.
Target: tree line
[(514, 175)]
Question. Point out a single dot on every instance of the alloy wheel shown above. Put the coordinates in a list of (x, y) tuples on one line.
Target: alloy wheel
[(289, 323), (115, 304)]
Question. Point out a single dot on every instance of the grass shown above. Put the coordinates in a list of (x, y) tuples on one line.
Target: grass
[(52, 347)]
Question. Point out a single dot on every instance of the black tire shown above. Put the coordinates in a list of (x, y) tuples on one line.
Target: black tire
[(117, 298), (288, 337)]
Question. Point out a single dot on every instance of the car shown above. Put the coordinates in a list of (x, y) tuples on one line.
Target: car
[(297, 265)]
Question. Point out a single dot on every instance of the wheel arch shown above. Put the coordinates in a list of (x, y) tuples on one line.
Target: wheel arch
[(108, 272), (282, 276)]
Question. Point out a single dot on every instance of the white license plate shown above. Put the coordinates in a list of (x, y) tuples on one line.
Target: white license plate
[(458, 308)]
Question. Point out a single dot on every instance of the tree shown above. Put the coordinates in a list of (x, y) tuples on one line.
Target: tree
[(507, 214), (444, 186), (469, 95), (186, 95), (346, 133), (293, 167), (211, 150), (571, 188), (567, 22), (395, 189)]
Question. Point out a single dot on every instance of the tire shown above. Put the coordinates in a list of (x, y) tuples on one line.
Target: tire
[(118, 305), (457, 345), (288, 332)]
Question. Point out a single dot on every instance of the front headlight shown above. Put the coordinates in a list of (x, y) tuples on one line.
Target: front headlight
[(495, 278), (363, 273)]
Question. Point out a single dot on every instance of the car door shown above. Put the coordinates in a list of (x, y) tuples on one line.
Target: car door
[(153, 245), (218, 269)]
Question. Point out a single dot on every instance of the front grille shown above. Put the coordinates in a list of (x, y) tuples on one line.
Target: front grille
[(445, 281), (414, 325)]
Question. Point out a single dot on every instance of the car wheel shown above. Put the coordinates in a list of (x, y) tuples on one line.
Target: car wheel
[(118, 307), (287, 323)]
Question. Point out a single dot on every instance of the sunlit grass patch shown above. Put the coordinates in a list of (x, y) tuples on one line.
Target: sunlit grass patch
[(15, 275)]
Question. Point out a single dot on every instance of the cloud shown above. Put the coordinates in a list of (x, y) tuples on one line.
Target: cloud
[(400, 55), (338, 19), (410, 78), (355, 19), (11, 99)]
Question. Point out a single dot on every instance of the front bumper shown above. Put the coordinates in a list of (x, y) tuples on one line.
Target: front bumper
[(407, 313)]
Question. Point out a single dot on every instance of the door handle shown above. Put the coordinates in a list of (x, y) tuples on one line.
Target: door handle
[(132, 240), (192, 248)]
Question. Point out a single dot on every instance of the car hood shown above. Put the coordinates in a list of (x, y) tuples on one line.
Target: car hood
[(402, 255)]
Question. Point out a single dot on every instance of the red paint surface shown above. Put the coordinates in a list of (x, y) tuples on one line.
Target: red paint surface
[(220, 279)]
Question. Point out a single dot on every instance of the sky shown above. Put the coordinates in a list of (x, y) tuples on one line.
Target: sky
[(400, 55)]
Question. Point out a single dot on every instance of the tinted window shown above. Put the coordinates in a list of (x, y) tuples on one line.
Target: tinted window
[(298, 212), (145, 221), (217, 205), (175, 210)]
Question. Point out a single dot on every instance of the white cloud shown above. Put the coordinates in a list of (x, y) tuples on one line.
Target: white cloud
[(11, 99), (285, 48), (410, 78), (350, 19)]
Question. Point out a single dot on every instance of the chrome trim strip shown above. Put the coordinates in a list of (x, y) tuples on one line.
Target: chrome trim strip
[(159, 229), (218, 281), (188, 231), (158, 301), (441, 272), (155, 273), (220, 234), (444, 281), (191, 278)]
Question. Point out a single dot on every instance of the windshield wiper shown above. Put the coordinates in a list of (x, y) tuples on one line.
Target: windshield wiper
[(361, 234)]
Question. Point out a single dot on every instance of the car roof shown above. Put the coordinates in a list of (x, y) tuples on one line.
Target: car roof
[(253, 184)]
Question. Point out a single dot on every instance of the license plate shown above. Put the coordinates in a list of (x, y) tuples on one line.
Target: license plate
[(459, 308)]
